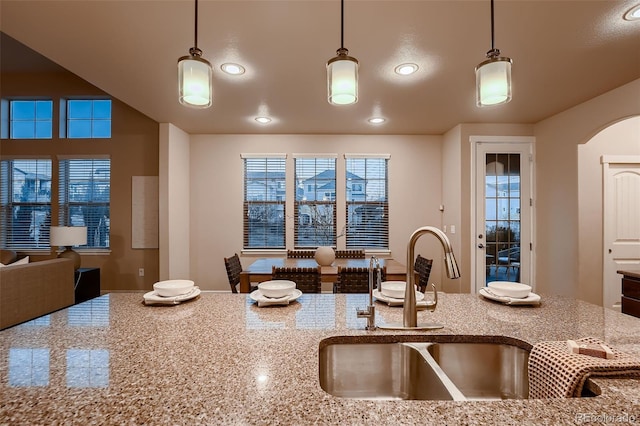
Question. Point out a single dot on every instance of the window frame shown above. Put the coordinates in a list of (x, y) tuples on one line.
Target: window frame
[(66, 119), (8, 204), (312, 218), (273, 202), (35, 121), (356, 233), (65, 205)]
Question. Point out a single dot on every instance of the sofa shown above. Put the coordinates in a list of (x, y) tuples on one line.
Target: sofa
[(33, 289)]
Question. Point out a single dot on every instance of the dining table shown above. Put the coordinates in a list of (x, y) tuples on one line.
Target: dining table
[(260, 270)]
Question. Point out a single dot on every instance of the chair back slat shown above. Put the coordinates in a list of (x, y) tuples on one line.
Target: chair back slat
[(355, 279), (307, 279), (301, 254), (234, 267), (423, 267), (350, 254)]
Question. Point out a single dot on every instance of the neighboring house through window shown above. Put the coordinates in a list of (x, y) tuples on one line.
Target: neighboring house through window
[(264, 201), (315, 201), (84, 198), (25, 211), (367, 189)]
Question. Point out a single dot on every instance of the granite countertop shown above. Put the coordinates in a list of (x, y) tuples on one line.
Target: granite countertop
[(220, 359)]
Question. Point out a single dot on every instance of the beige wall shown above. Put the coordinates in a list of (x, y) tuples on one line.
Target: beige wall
[(622, 138), (217, 191), (556, 202), (174, 217), (133, 149), (457, 189)]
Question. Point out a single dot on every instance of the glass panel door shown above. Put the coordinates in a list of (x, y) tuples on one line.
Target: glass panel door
[(503, 209), (502, 217)]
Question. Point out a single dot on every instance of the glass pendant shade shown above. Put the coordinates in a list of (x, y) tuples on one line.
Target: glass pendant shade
[(493, 81), (342, 79), (195, 81)]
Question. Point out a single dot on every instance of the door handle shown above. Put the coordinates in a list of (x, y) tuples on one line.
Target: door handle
[(480, 245)]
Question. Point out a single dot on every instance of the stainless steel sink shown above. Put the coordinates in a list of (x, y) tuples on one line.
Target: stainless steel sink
[(424, 370), (484, 370), (380, 371)]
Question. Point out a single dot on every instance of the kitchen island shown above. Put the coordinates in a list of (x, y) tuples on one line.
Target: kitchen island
[(220, 359)]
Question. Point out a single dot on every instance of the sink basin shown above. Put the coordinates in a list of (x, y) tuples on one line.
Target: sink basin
[(484, 370), (380, 371), (424, 370)]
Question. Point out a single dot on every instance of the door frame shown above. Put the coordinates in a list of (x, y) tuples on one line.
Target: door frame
[(506, 141), (607, 194)]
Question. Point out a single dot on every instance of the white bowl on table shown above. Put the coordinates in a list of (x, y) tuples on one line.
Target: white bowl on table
[(170, 288), (276, 288), (509, 289), (393, 289)]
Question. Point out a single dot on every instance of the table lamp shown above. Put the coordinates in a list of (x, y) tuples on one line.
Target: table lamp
[(68, 236)]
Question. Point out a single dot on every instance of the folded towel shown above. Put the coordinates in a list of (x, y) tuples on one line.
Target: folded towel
[(556, 372), (267, 301)]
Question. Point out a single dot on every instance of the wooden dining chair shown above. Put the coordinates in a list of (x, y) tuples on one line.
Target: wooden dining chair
[(307, 279), (234, 267), (350, 254), (301, 254), (355, 279), (423, 267)]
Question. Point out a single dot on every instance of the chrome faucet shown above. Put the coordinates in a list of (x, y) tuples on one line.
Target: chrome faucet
[(370, 311), (409, 314)]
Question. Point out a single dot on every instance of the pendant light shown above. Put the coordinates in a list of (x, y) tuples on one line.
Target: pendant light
[(493, 76), (195, 75), (342, 73)]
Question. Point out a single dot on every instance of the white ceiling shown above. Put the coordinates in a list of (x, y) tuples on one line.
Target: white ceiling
[(564, 52)]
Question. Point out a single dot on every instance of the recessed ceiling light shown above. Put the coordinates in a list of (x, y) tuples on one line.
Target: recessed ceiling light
[(376, 120), (233, 69), (633, 14), (406, 69), (263, 120)]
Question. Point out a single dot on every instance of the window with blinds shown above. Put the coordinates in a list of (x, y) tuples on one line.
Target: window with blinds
[(367, 203), (315, 202), (264, 202), (25, 204), (84, 198)]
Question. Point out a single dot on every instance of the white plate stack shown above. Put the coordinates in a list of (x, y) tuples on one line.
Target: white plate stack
[(171, 292), (510, 293), (392, 293), (275, 292)]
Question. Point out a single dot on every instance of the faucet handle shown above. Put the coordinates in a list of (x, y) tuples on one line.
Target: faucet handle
[(431, 305)]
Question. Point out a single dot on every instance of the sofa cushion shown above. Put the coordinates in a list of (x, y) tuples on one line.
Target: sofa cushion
[(23, 261), (8, 256)]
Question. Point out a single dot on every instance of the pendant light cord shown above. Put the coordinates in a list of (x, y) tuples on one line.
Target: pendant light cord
[(195, 37), (341, 24), (492, 33)]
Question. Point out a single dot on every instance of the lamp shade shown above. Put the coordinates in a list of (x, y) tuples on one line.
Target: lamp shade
[(342, 79), (493, 81), (195, 77), (68, 236)]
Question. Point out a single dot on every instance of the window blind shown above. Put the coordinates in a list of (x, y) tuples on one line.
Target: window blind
[(367, 203), (264, 202), (315, 202), (25, 198), (84, 198)]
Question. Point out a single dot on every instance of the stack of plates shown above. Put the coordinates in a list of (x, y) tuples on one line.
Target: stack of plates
[(275, 292), (171, 292), (510, 293), (393, 293)]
